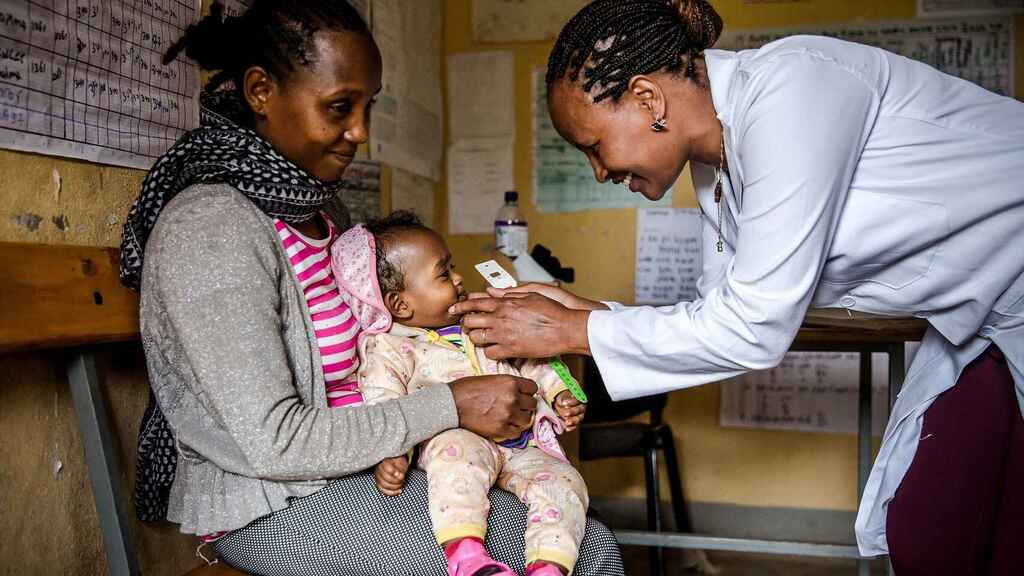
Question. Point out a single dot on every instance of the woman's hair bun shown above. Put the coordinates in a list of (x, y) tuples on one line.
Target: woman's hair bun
[(701, 22)]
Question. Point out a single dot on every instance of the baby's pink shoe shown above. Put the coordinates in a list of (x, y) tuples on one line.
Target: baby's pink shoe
[(468, 557)]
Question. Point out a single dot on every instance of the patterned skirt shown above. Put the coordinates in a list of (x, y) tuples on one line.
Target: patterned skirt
[(350, 529)]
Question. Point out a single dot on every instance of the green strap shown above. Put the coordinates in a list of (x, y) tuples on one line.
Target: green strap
[(574, 387)]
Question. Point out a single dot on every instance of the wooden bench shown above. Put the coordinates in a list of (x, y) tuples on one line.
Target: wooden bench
[(71, 297)]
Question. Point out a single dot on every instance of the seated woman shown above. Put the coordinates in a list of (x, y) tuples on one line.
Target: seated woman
[(249, 344)]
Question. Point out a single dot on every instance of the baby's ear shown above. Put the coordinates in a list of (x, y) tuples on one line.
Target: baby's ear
[(397, 305)]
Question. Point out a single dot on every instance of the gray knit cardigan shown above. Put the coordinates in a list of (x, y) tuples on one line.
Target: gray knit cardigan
[(235, 365)]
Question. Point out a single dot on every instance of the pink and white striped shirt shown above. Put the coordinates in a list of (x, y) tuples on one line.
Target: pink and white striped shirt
[(335, 326)]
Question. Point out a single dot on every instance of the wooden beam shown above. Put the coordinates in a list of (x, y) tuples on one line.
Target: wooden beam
[(58, 296)]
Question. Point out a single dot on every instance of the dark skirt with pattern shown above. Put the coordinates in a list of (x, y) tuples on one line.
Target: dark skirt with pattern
[(351, 529)]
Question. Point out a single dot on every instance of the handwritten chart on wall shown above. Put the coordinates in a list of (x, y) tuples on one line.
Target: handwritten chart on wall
[(563, 178), (360, 191), (962, 7), (83, 79), (807, 391), (521, 20), (668, 259), (975, 49), (238, 7)]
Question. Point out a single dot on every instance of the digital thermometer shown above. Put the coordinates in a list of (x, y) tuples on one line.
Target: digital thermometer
[(495, 275)]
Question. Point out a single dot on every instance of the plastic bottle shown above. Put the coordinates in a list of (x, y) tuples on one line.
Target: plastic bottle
[(511, 235)]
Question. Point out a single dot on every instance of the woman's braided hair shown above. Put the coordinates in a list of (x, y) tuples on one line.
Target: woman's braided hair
[(276, 35), (611, 41)]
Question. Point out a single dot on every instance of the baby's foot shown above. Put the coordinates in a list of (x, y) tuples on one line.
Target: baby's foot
[(468, 557)]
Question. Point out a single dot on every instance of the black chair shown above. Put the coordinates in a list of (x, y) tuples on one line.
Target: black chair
[(605, 434)]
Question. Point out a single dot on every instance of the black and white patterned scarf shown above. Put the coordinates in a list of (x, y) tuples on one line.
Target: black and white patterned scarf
[(221, 150)]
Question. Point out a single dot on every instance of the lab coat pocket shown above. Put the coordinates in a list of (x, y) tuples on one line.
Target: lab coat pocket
[(885, 239)]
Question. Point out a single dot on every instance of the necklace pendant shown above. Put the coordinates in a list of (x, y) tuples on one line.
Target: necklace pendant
[(720, 245)]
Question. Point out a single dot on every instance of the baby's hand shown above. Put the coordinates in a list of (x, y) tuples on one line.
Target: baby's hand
[(390, 473), (570, 410)]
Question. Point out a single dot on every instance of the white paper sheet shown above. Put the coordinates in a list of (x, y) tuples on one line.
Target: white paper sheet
[(967, 7), (360, 191), (521, 20), (85, 80), (235, 7), (562, 176), (414, 193), (668, 260), (976, 49), (481, 95), (808, 391), (406, 128), (479, 174)]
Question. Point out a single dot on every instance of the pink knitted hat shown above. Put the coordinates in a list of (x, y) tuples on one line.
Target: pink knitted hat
[(354, 260)]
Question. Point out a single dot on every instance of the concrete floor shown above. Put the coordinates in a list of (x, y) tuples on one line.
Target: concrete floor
[(635, 559)]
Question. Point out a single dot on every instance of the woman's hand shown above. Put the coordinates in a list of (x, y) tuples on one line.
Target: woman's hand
[(560, 295), (390, 474), (524, 325), (570, 410), (496, 405)]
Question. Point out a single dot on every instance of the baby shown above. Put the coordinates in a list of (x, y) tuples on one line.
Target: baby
[(399, 270)]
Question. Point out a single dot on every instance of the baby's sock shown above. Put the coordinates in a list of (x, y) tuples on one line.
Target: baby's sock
[(543, 569), (463, 547)]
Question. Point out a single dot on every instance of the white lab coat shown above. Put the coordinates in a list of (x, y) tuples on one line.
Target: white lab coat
[(857, 179)]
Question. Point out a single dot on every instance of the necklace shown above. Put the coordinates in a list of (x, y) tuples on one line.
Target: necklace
[(718, 190)]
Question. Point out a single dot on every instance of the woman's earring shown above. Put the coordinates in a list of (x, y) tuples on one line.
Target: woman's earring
[(659, 125)]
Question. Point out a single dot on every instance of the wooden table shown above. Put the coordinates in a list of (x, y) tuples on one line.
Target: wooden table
[(825, 331)]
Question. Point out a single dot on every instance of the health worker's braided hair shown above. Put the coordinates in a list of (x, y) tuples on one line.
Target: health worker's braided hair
[(611, 41)]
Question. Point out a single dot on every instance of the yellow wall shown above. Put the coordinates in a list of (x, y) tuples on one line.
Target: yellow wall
[(49, 521), (746, 467)]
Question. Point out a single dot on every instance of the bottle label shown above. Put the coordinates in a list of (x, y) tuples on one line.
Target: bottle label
[(511, 239)]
